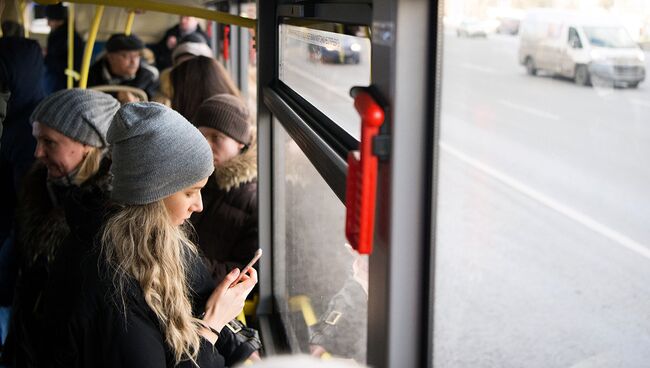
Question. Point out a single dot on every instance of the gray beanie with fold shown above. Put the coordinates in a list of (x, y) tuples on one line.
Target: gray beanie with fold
[(81, 114), (156, 153)]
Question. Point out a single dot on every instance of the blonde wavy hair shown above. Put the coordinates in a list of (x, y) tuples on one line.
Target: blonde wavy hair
[(90, 165), (141, 243)]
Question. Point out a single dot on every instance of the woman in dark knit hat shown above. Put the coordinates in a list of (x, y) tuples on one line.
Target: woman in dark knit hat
[(137, 304), (227, 227), (72, 171)]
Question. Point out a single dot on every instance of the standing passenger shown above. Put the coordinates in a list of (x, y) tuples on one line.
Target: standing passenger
[(227, 228), (135, 308), (70, 129), (56, 57), (163, 49)]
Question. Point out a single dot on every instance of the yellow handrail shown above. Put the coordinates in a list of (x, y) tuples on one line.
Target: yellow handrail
[(70, 44), (129, 23), (88, 52), (220, 17), (23, 18)]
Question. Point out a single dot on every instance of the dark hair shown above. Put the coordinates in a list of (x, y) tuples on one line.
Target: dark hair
[(195, 80)]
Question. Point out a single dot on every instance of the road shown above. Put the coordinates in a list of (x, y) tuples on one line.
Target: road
[(543, 245)]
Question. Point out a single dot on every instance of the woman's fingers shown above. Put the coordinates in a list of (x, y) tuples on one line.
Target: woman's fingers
[(228, 280)]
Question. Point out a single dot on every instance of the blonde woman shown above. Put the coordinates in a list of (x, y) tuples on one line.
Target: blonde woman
[(72, 166), (135, 306)]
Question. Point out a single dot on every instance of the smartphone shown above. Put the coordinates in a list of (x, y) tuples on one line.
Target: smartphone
[(250, 264)]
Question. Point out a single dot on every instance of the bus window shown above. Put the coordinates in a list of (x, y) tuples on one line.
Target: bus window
[(319, 282), (542, 240), (322, 66)]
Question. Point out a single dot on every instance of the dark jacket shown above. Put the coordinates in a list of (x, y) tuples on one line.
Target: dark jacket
[(227, 226), (164, 54), (41, 229), (22, 66), (56, 59), (146, 78), (89, 326)]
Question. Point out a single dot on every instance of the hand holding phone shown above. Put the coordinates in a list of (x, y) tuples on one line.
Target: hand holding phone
[(245, 270)]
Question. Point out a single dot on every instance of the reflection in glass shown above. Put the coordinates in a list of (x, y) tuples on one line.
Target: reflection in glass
[(324, 283), (542, 239), (322, 66)]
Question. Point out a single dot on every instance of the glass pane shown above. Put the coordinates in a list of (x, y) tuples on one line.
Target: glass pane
[(321, 283), (543, 243), (322, 66)]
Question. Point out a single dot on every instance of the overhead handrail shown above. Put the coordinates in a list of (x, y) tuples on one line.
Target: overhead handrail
[(88, 51), (218, 16)]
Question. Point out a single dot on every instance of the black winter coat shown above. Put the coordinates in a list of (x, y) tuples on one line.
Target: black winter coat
[(227, 226), (86, 324), (164, 54), (146, 78), (42, 227), (89, 327), (22, 69)]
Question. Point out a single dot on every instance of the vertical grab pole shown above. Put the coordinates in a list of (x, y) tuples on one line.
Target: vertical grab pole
[(70, 45), (88, 52), (129, 23)]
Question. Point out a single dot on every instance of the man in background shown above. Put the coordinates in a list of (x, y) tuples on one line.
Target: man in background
[(163, 49), (123, 65)]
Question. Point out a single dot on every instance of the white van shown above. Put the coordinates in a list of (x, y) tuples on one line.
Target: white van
[(585, 48)]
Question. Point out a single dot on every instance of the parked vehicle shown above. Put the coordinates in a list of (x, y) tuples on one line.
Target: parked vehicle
[(589, 49), (473, 28), (345, 52)]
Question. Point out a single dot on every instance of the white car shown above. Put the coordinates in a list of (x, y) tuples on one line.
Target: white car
[(472, 28)]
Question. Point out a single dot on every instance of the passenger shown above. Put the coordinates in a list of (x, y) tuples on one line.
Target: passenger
[(189, 47), (163, 49), (22, 63), (56, 57), (21, 69), (122, 65), (12, 29), (70, 128), (227, 227), (135, 308), (196, 80)]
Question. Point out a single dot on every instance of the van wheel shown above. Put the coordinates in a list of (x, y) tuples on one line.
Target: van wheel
[(530, 66), (633, 85), (582, 75)]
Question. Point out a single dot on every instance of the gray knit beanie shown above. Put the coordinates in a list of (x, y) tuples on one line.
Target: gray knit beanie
[(156, 153), (227, 114), (81, 114)]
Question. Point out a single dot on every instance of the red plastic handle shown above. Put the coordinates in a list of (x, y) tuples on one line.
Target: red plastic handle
[(362, 177)]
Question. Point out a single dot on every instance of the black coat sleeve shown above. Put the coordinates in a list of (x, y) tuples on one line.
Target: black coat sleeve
[(140, 344)]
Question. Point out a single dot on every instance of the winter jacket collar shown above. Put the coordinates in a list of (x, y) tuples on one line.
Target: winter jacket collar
[(239, 170)]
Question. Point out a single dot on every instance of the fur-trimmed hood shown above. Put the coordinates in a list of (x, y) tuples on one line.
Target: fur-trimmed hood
[(239, 170)]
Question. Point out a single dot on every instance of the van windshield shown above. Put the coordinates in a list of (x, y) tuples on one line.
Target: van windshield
[(613, 37)]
